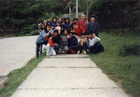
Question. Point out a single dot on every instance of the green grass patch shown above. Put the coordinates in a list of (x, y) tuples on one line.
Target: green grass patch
[(119, 68), (18, 76)]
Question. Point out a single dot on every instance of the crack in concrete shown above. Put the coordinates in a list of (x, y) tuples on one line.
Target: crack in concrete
[(63, 67)]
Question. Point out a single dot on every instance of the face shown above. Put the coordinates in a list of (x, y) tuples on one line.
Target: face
[(92, 19), (93, 35), (67, 20), (70, 35), (75, 26), (48, 28), (90, 36), (54, 20), (60, 19), (55, 33), (43, 26), (65, 32), (83, 17), (82, 36), (58, 24), (75, 21)]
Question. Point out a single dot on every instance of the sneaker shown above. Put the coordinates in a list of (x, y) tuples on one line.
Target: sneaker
[(84, 52), (47, 54), (78, 52)]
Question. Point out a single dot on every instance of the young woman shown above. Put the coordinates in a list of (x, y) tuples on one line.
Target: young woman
[(54, 22)]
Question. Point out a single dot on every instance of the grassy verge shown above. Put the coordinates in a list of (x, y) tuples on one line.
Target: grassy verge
[(124, 70), (18, 76)]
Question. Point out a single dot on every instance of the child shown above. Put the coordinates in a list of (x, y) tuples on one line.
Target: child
[(41, 38), (82, 47), (73, 43), (63, 42), (54, 21), (75, 20), (77, 29), (58, 27), (67, 24), (94, 44), (52, 42), (93, 26), (61, 20)]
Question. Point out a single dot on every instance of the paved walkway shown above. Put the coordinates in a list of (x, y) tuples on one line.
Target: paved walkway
[(68, 76), (15, 53)]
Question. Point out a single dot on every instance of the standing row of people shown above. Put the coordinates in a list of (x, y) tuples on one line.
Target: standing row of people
[(69, 37)]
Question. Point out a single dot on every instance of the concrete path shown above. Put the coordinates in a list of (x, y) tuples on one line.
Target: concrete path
[(68, 76), (15, 53)]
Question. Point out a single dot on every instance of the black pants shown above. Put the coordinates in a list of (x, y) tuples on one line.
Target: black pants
[(37, 49), (84, 47)]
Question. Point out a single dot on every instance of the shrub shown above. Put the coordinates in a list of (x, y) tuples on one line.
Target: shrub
[(129, 49), (36, 32)]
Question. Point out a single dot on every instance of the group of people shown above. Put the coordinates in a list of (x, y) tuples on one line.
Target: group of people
[(69, 37)]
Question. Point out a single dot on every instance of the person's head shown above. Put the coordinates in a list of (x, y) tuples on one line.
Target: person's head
[(93, 35), (93, 18), (61, 20), (83, 17), (58, 23), (48, 27), (70, 34), (82, 35), (64, 31), (75, 20), (74, 25), (55, 33), (49, 23), (90, 35), (67, 19), (54, 19), (42, 26), (45, 21)]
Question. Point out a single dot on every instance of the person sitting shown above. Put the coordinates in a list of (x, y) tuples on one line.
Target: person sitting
[(52, 42), (63, 42), (72, 44), (94, 44), (82, 47)]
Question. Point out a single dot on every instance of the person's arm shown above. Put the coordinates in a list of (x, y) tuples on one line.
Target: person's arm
[(97, 39), (88, 29), (82, 29), (51, 42), (98, 28)]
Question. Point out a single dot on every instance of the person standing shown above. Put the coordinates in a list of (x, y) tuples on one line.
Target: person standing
[(2, 32), (83, 22)]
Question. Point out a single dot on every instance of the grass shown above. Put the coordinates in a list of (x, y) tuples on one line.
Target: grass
[(117, 67), (18, 76)]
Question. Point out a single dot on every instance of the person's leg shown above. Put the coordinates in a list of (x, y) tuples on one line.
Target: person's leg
[(85, 46), (48, 49), (37, 50), (100, 49), (90, 49), (66, 48), (60, 50), (40, 49), (52, 51), (74, 48), (80, 48), (96, 48)]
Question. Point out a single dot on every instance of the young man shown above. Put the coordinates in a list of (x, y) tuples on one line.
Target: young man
[(72, 43), (77, 29), (93, 26), (52, 42), (94, 44), (82, 47)]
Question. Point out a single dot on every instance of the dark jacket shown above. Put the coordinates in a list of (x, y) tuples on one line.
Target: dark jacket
[(63, 40), (72, 41), (67, 25), (93, 27)]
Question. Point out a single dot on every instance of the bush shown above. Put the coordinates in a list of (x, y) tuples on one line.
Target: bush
[(129, 49), (36, 32)]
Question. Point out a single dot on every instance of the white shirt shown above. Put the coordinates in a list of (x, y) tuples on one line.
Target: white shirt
[(93, 40), (59, 29)]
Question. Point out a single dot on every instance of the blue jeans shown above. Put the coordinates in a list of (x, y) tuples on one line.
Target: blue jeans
[(97, 47), (56, 48)]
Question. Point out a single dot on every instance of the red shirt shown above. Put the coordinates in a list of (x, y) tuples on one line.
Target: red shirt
[(51, 42), (82, 24), (79, 30)]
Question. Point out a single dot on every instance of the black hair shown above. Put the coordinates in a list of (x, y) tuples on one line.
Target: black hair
[(54, 18), (70, 32), (74, 24), (61, 19), (93, 16), (75, 19), (63, 30), (90, 33), (50, 25), (41, 26), (54, 39), (56, 31), (82, 33)]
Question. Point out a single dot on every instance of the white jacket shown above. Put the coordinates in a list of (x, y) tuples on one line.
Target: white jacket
[(93, 40)]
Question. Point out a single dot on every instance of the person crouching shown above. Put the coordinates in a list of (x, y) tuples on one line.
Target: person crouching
[(52, 42)]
